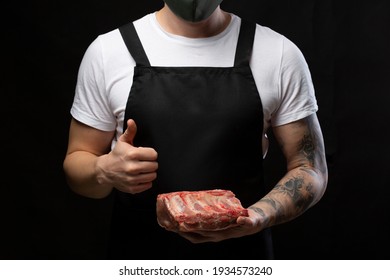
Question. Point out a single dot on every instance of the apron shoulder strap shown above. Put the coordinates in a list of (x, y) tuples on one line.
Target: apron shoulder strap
[(243, 51), (133, 44), (245, 43)]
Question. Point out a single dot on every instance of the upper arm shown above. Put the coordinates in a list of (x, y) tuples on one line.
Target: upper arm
[(302, 144), (88, 139)]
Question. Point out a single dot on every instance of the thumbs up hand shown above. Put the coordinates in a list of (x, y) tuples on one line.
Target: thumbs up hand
[(129, 169)]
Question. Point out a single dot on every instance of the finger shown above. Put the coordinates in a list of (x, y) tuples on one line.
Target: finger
[(245, 221), (130, 132), (142, 178), (147, 154), (138, 188), (194, 237), (143, 167)]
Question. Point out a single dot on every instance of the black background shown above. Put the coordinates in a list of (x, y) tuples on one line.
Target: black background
[(346, 45)]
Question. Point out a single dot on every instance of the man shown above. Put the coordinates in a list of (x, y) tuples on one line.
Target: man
[(182, 99)]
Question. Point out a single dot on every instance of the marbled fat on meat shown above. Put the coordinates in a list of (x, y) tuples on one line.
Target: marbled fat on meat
[(200, 210)]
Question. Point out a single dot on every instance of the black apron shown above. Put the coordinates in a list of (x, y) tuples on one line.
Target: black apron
[(206, 123)]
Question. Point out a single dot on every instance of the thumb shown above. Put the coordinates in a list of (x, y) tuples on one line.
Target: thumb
[(245, 221), (129, 134)]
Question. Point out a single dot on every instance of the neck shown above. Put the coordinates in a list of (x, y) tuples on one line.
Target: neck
[(211, 26)]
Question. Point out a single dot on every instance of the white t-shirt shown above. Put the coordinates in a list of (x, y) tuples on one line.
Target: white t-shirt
[(106, 72)]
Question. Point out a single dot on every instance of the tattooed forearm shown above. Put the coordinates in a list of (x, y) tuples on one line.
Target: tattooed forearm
[(305, 181), (278, 208), (300, 194)]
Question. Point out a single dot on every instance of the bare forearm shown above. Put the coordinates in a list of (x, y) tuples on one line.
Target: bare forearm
[(81, 173)]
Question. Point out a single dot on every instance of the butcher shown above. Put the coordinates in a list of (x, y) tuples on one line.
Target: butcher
[(181, 99)]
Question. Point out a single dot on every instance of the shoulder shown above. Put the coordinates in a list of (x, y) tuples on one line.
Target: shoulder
[(272, 46), (111, 43), (270, 41)]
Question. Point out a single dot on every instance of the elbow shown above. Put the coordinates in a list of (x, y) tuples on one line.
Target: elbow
[(321, 186), (87, 192)]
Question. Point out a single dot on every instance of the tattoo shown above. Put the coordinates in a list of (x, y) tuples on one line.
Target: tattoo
[(271, 202), (297, 192), (278, 207), (258, 211), (261, 213), (300, 194), (309, 171), (308, 147), (311, 146), (309, 142)]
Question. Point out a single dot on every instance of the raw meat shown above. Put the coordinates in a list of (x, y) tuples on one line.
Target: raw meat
[(199, 210)]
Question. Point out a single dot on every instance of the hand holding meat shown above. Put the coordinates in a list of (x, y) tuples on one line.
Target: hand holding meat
[(245, 226), (130, 169), (204, 216)]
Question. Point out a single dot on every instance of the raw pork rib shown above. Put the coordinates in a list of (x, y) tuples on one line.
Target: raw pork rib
[(199, 210)]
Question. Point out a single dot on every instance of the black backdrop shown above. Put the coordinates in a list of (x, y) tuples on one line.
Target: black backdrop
[(346, 45)]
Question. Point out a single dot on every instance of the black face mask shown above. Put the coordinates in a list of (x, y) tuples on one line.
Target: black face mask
[(193, 10)]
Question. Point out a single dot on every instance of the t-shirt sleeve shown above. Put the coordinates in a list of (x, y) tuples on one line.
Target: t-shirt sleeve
[(90, 105), (296, 87)]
